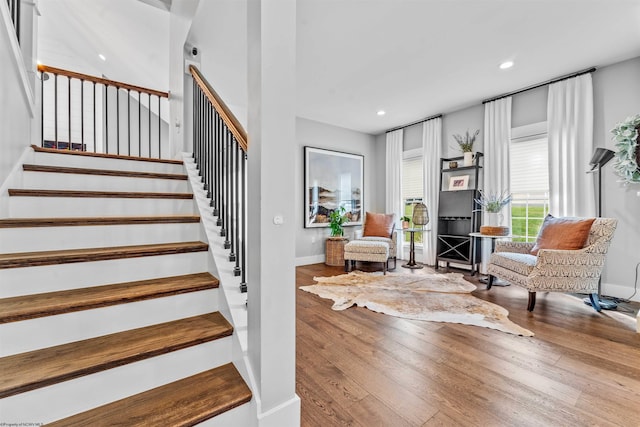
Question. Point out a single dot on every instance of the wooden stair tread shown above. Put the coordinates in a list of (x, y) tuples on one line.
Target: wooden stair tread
[(112, 194), (32, 259), (51, 303), (185, 402), (80, 221), (41, 368), (103, 172), (107, 156)]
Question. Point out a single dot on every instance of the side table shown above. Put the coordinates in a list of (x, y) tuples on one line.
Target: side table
[(493, 238), (334, 249), (412, 249)]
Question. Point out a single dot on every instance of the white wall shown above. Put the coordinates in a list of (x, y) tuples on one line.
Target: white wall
[(16, 94), (616, 91), (310, 241)]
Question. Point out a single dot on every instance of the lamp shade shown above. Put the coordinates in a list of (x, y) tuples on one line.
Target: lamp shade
[(420, 214)]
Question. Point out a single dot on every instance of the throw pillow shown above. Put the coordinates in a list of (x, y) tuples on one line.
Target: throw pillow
[(563, 233), (378, 225)]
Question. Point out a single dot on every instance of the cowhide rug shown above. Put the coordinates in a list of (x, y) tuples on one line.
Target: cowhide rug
[(433, 297)]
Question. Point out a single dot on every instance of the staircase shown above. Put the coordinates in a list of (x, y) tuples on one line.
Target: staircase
[(108, 308)]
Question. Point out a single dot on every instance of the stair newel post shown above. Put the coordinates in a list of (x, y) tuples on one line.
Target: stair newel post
[(243, 222), (232, 199), (236, 179)]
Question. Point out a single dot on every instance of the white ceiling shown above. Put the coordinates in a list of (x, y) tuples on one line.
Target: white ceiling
[(411, 58)]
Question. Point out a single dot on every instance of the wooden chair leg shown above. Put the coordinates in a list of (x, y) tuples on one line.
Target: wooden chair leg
[(532, 301), (490, 282), (595, 302)]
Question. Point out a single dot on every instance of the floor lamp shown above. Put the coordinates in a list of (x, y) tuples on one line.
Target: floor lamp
[(601, 156)]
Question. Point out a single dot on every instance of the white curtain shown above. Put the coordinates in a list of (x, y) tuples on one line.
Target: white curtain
[(431, 152), (497, 137), (570, 134), (394, 203)]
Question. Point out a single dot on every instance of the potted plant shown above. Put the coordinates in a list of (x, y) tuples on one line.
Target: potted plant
[(627, 159), (405, 222), (493, 203), (466, 145), (336, 218)]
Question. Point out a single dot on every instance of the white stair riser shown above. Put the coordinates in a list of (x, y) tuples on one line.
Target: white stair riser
[(69, 327), (72, 181), (43, 207), (61, 400), (241, 416), (75, 161), (30, 239), (49, 278)]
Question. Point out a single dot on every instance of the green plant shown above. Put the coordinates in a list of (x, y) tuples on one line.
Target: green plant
[(336, 218), (493, 202), (406, 219), (466, 142), (625, 135)]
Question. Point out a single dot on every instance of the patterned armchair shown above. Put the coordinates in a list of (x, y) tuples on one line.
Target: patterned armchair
[(555, 270)]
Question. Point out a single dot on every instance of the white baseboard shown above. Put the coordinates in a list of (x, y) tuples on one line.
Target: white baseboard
[(620, 291), (313, 259), (285, 414)]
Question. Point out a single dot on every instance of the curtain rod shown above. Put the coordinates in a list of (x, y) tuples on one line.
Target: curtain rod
[(556, 80), (415, 123)]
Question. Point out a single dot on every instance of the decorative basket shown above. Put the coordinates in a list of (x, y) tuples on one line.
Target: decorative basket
[(494, 230), (335, 251)]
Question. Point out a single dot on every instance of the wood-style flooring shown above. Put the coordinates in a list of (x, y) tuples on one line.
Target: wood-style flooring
[(360, 368)]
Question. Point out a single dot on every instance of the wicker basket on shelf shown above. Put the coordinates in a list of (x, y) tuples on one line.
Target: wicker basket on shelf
[(335, 251)]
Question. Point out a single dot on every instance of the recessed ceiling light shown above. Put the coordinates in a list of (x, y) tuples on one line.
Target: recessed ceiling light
[(506, 64), (101, 56), (381, 112)]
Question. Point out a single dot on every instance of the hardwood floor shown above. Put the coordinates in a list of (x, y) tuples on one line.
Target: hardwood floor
[(360, 368)]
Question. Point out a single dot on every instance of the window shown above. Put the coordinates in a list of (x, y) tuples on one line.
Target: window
[(412, 186), (529, 182)]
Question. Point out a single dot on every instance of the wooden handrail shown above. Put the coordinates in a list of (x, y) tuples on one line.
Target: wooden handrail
[(230, 120), (72, 74)]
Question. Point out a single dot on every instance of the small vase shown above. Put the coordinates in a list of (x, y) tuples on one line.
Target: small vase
[(468, 158), (494, 219)]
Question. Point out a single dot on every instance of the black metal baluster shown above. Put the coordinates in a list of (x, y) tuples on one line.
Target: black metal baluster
[(243, 253), (219, 182), (209, 149), (236, 181), (193, 102), (82, 115), (227, 179), (118, 119), (199, 130), (214, 159), (232, 198), (223, 175), (205, 133), (55, 108), (139, 124), (106, 118), (149, 155), (42, 78), (69, 110), (159, 132), (95, 142), (129, 129)]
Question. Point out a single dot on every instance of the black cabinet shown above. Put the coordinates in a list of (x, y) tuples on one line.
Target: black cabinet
[(458, 212)]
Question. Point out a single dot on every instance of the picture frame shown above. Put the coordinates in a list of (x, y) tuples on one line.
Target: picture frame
[(332, 179), (459, 182)]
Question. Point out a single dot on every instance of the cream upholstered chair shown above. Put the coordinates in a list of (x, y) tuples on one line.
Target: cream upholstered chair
[(553, 270), (379, 247)]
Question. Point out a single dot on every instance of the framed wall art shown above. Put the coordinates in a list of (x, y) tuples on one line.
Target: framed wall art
[(332, 179), (460, 182)]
